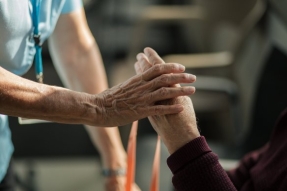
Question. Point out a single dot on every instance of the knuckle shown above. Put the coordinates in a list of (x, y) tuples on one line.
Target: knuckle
[(157, 68), (153, 84), (164, 78), (157, 110), (181, 89), (163, 91), (172, 66), (146, 100), (185, 76)]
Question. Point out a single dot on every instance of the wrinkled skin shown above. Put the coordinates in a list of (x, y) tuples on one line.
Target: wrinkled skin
[(136, 98), (175, 129)]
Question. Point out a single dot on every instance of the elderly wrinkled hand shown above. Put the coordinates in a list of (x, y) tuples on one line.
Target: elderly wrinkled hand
[(136, 98), (174, 129)]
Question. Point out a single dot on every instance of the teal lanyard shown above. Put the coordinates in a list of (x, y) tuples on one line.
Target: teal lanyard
[(37, 40)]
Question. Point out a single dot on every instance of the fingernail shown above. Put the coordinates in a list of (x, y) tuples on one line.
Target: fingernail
[(191, 89), (139, 56), (181, 67), (192, 77)]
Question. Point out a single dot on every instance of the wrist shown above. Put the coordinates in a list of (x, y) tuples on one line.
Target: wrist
[(114, 166), (95, 111), (178, 139)]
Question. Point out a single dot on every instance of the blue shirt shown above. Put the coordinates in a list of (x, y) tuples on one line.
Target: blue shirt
[(17, 48)]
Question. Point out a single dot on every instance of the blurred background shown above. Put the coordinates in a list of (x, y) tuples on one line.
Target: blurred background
[(228, 45)]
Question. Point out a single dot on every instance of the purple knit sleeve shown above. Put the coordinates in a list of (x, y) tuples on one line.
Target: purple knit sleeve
[(196, 167), (241, 174)]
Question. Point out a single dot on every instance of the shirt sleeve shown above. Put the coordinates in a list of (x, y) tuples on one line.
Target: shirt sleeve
[(241, 174), (196, 167), (71, 5)]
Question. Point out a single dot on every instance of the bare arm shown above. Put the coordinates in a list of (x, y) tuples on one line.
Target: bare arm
[(79, 64), (25, 98)]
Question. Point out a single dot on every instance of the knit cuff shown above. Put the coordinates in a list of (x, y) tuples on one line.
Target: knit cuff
[(187, 153)]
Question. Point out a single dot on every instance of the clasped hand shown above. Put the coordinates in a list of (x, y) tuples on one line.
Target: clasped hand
[(136, 98), (175, 129)]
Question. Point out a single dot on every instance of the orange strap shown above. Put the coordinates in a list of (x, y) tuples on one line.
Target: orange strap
[(131, 156), (155, 169), (131, 152)]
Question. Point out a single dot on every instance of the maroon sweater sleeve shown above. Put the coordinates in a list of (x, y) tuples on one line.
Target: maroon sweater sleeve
[(241, 174), (196, 167)]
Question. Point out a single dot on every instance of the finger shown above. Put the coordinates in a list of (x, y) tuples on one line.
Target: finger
[(164, 109), (153, 57), (138, 68), (193, 80), (160, 69), (167, 80), (140, 55), (168, 93), (143, 62)]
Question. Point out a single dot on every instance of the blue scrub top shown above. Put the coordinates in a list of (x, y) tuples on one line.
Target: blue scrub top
[(17, 48)]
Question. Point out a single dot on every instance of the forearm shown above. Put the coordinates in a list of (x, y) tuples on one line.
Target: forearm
[(81, 69), (108, 143), (25, 98), (242, 173)]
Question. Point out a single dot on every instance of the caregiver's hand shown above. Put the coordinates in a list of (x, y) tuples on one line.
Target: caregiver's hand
[(175, 129), (136, 98)]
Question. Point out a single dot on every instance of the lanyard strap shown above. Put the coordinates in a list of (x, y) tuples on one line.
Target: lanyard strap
[(37, 40), (154, 186), (131, 152)]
